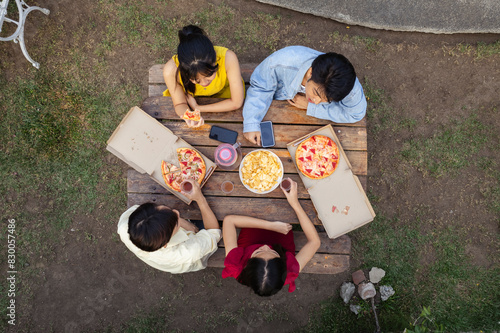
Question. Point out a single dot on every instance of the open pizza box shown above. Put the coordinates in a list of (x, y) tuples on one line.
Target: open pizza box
[(339, 199), (143, 142)]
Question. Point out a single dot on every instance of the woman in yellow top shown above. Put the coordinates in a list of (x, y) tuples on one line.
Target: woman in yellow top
[(201, 69)]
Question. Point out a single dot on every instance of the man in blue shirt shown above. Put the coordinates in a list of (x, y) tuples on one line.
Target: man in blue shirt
[(323, 83)]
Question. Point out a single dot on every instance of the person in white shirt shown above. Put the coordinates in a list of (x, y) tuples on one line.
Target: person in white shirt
[(161, 238)]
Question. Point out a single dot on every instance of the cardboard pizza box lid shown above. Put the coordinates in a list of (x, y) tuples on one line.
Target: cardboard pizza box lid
[(339, 199), (143, 142)]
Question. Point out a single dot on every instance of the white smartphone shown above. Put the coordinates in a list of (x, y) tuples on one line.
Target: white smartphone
[(267, 134)]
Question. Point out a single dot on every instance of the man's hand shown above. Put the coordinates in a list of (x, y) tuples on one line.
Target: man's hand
[(299, 101), (281, 227), (195, 193), (253, 137)]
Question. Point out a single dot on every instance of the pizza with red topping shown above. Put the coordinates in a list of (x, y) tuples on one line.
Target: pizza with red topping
[(191, 164), (317, 157), (192, 115)]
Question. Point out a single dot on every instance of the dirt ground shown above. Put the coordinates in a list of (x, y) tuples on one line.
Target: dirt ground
[(92, 283)]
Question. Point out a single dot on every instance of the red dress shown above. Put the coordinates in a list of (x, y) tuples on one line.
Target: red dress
[(251, 239)]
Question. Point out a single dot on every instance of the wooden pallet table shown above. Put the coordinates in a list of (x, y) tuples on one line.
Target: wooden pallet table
[(289, 123)]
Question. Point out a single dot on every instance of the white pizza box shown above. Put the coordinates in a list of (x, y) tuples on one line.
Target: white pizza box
[(339, 199), (143, 142)]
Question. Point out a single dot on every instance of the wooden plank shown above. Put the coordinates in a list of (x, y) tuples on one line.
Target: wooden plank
[(358, 159), (351, 138), (142, 183), (280, 112), (272, 209), (339, 245), (156, 73), (319, 264)]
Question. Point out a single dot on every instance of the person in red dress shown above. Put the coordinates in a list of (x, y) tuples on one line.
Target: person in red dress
[(263, 255)]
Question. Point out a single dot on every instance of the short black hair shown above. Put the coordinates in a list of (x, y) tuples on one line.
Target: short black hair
[(265, 277), (335, 74), (151, 228), (196, 54)]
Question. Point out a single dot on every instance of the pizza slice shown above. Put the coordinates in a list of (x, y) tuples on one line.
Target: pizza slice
[(192, 115), (172, 175), (167, 168), (192, 164)]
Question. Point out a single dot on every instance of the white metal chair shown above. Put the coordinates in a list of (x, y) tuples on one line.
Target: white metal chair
[(18, 35)]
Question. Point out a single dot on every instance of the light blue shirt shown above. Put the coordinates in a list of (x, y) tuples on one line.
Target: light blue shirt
[(279, 77)]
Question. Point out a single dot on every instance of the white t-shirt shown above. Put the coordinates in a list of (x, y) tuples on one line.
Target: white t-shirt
[(185, 252)]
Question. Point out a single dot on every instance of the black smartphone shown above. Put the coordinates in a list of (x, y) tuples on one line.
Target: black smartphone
[(266, 134), (223, 134)]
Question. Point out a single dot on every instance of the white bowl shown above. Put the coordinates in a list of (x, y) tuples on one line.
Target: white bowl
[(279, 179)]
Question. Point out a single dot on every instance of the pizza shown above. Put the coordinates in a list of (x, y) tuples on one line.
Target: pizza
[(192, 115), (191, 164), (317, 157)]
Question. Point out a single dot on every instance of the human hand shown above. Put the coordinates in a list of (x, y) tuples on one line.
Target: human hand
[(195, 194), (253, 137), (192, 102), (195, 124), (281, 227), (292, 195), (299, 101)]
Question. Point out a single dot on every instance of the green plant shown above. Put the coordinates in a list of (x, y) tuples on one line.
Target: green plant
[(425, 323)]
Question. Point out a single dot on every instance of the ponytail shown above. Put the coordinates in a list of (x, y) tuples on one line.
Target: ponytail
[(196, 55)]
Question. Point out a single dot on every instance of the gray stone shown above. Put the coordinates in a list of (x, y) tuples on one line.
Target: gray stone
[(355, 308), (376, 274), (346, 291), (366, 290), (386, 292), (434, 16)]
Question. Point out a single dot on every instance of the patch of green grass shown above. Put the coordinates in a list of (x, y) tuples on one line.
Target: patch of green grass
[(262, 30), (424, 269), (371, 44), (465, 296), (52, 157), (450, 149), (215, 21), (480, 51), (381, 114), (487, 50)]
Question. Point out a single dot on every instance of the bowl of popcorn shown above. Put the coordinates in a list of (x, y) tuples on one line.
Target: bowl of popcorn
[(261, 171)]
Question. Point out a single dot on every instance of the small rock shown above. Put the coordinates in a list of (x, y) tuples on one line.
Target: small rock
[(346, 291), (355, 308), (358, 277), (386, 292), (366, 290), (376, 274)]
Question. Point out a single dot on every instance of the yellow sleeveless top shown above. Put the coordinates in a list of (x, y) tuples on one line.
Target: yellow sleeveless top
[(219, 87)]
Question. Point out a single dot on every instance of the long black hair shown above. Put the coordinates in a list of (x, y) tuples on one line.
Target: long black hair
[(265, 277), (196, 54)]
